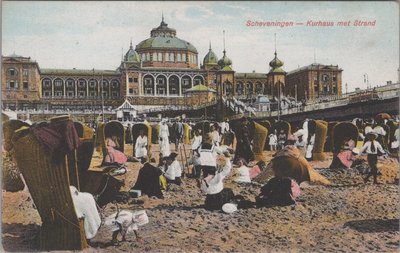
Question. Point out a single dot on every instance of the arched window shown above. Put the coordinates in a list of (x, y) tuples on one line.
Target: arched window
[(105, 84), (92, 83), (173, 85), (148, 85), (159, 56), (184, 57), (114, 84), (148, 57), (82, 83), (144, 57), (46, 83), (70, 83), (171, 57), (166, 56), (178, 57), (154, 56), (58, 83)]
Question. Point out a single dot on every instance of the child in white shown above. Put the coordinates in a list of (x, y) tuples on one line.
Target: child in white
[(273, 141), (244, 173)]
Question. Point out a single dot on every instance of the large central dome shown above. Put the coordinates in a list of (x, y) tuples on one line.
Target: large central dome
[(164, 50), (164, 37)]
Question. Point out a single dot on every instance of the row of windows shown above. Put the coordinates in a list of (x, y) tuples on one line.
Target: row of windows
[(325, 78), (14, 72), (14, 85), (133, 79), (169, 57), (80, 94), (80, 83)]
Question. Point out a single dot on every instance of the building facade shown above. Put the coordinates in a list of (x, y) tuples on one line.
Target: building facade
[(314, 81), (157, 71)]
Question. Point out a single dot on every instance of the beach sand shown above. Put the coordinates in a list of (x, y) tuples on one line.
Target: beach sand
[(347, 216)]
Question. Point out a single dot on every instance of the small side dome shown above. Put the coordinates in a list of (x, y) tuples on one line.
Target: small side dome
[(132, 55), (276, 63), (224, 61), (210, 58)]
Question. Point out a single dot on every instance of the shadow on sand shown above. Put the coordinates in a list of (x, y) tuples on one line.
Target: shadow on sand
[(20, 238), (374, 225)]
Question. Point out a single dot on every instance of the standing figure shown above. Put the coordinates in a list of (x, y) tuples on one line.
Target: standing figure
[(215, 135), (128, 134), (273, 141), (141, 146), (244, 148), (164, 139), (178, 133), (281, 139), (371, 147)]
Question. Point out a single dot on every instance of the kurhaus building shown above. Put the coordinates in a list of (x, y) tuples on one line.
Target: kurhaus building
[(157, 71)]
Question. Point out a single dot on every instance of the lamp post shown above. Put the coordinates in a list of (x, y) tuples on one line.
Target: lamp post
[(279, 100)]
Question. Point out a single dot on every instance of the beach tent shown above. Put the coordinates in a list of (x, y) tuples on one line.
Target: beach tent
[(342, 132), (320, 129), (145, 126), (260, 136)]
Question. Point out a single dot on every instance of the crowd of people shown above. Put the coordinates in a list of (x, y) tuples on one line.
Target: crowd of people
[(220, 150), (211, 161)]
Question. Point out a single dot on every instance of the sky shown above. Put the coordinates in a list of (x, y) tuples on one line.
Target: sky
[(86, 35)]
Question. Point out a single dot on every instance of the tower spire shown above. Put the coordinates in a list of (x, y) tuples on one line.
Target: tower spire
[(275, 43), (224, 41), (162, 16), (210, 45), (131, 44)]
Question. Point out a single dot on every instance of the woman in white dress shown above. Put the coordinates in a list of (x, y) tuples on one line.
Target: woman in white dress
[(141, 146), (165, 149)]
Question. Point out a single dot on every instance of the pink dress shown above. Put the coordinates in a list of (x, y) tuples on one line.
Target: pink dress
[(346, 157), (254, 171), (114, 155)]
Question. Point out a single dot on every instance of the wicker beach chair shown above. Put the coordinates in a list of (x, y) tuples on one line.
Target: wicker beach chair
[(48, 182)]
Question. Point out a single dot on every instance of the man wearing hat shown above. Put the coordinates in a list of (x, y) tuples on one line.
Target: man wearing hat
[(371, 147), (173, 170)]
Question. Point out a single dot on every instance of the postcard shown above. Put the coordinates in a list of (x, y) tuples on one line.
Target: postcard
[(207, 126)]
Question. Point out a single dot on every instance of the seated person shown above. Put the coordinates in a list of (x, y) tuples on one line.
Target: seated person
[(213, 186), (148, 180), (345, 158), (113, 154), (256, 169), (172, 169), (243, 172), (278, 191)]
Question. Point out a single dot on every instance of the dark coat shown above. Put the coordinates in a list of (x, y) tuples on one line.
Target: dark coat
[(148, 181)]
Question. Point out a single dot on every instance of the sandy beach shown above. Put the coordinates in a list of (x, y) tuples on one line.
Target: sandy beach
[(347, 216)]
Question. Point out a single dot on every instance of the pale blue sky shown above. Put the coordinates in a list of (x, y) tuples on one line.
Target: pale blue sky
[(92, 34)]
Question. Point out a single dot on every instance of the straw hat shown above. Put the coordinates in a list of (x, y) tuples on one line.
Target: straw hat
[(373, 133), (229, 208), (172, 156)]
